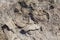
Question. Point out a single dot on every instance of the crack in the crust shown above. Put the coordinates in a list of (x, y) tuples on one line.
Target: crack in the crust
[(31, 16), (32, 30), (47, 14), (23, 4), (18, 26), (6, 27), (51, 7), (24, 32), (41, 29), (30, 7), (16, 10)]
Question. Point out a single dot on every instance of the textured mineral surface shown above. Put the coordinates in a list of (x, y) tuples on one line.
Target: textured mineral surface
[(29, 19)]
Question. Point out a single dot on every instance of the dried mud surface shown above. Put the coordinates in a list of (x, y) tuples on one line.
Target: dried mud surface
[(29, 20)]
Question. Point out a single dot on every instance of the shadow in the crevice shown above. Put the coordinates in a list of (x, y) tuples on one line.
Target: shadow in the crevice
[(5, 27)]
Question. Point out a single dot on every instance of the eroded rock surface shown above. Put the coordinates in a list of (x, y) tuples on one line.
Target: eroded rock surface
[(29, 20)]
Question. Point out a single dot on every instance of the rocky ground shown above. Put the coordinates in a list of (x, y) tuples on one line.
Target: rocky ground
[(29, 19)]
